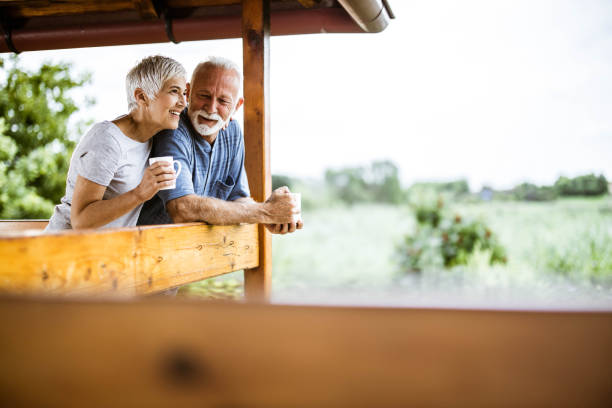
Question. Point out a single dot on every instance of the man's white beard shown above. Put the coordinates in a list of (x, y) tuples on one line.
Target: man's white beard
[(203, 128)]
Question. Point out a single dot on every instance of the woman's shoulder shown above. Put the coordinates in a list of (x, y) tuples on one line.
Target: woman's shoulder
[(102, 135)]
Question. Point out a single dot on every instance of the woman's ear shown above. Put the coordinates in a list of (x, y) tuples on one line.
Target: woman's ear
[(141, 97)]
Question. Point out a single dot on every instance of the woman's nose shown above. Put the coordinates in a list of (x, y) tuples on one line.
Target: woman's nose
[(181, 101)]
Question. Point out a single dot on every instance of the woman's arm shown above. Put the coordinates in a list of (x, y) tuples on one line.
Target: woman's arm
[(89, 210)]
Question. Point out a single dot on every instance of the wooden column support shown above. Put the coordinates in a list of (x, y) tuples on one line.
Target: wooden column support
[(256, 68)]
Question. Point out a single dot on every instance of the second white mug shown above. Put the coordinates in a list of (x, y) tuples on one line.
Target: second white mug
[(297, 199)]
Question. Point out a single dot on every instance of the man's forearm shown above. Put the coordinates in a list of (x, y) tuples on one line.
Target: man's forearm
[(214, 211)]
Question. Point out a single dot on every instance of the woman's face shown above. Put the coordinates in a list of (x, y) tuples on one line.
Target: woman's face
[(165, 110)]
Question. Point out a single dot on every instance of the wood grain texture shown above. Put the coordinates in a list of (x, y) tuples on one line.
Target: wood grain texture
[(309, 3), (146, 9), (129, 261), (22, 225), (45, 8), (189, 354), (256, 67)]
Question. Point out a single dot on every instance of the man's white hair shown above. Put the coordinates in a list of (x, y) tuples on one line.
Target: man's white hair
[(223, 63), (150, 74)]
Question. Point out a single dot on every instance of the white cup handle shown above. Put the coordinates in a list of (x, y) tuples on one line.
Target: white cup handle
[(179, 167)]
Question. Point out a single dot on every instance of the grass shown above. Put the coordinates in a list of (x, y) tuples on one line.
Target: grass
[(558, 252)]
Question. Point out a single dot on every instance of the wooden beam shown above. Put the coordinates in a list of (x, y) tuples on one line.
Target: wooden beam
[(22, 225), (309, 3), (146, 9), (26, 9), (45, 8), (256, 67), (131, 261), (192, 354)]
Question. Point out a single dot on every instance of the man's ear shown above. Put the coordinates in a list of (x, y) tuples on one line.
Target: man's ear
[(187, 88), (141, 97), (238, 105)]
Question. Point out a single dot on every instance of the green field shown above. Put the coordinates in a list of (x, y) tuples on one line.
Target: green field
[(559, 252)]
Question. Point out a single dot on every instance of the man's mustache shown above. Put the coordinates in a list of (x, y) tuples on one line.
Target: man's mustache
[(209, 116)]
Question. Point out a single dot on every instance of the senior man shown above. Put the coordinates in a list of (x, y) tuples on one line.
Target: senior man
[(212, 185)]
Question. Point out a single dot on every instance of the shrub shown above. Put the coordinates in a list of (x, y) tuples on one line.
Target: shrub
[(531, 192), (442, 240)]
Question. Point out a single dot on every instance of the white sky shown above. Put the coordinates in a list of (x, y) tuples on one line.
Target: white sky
[(498, 92)]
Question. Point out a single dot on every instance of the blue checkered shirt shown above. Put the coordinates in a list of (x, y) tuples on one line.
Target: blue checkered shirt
[(209, 171)]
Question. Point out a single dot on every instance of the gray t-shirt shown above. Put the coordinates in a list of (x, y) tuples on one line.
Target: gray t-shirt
[(106, 156)]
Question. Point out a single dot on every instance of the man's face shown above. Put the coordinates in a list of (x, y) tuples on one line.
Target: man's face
[(213, 99)]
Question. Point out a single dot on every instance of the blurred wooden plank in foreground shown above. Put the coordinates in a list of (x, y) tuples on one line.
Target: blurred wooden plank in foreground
[(158, 353), (126, 261)]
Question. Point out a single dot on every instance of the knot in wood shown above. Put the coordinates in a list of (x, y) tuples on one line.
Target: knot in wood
[(255, 40), (182, 368)]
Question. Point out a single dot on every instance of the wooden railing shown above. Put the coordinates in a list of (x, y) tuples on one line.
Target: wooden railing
[(172, 352), (129, 261)]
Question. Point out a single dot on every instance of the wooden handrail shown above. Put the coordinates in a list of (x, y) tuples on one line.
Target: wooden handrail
[(128, 261), (21, 225), (163, 353)]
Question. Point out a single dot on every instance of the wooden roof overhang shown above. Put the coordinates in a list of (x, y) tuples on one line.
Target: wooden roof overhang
[(52, 24)]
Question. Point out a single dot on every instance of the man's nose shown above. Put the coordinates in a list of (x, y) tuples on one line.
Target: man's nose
[(211, 106)]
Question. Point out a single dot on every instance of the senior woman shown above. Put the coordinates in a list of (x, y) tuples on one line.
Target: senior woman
[(108, 179)]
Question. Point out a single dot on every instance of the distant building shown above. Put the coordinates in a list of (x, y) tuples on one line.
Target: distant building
[(486, 194), (610, 187)]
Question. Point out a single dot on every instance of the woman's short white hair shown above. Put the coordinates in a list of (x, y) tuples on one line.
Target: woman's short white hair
[(150, 74), (223, 63)]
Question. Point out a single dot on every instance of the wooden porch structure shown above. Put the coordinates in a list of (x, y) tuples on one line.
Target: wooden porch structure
[(95, 349), (151, 259)]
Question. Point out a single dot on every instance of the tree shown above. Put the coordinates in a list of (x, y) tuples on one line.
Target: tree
[(35, 142), (587, 185), (378, 182), (385, 182)]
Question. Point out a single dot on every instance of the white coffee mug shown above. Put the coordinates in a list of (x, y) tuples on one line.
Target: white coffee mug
[(297, 199), (169, 160)]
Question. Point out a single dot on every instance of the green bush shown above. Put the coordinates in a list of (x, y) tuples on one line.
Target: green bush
[(588, 185), (589, 254), (456, 187), (531, 192), (441, 240), (214, 289)]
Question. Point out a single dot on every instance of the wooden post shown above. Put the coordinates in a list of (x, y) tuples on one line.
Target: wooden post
[(256, 68)]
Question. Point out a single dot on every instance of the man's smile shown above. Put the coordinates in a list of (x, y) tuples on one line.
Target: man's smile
[(206, 121)]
